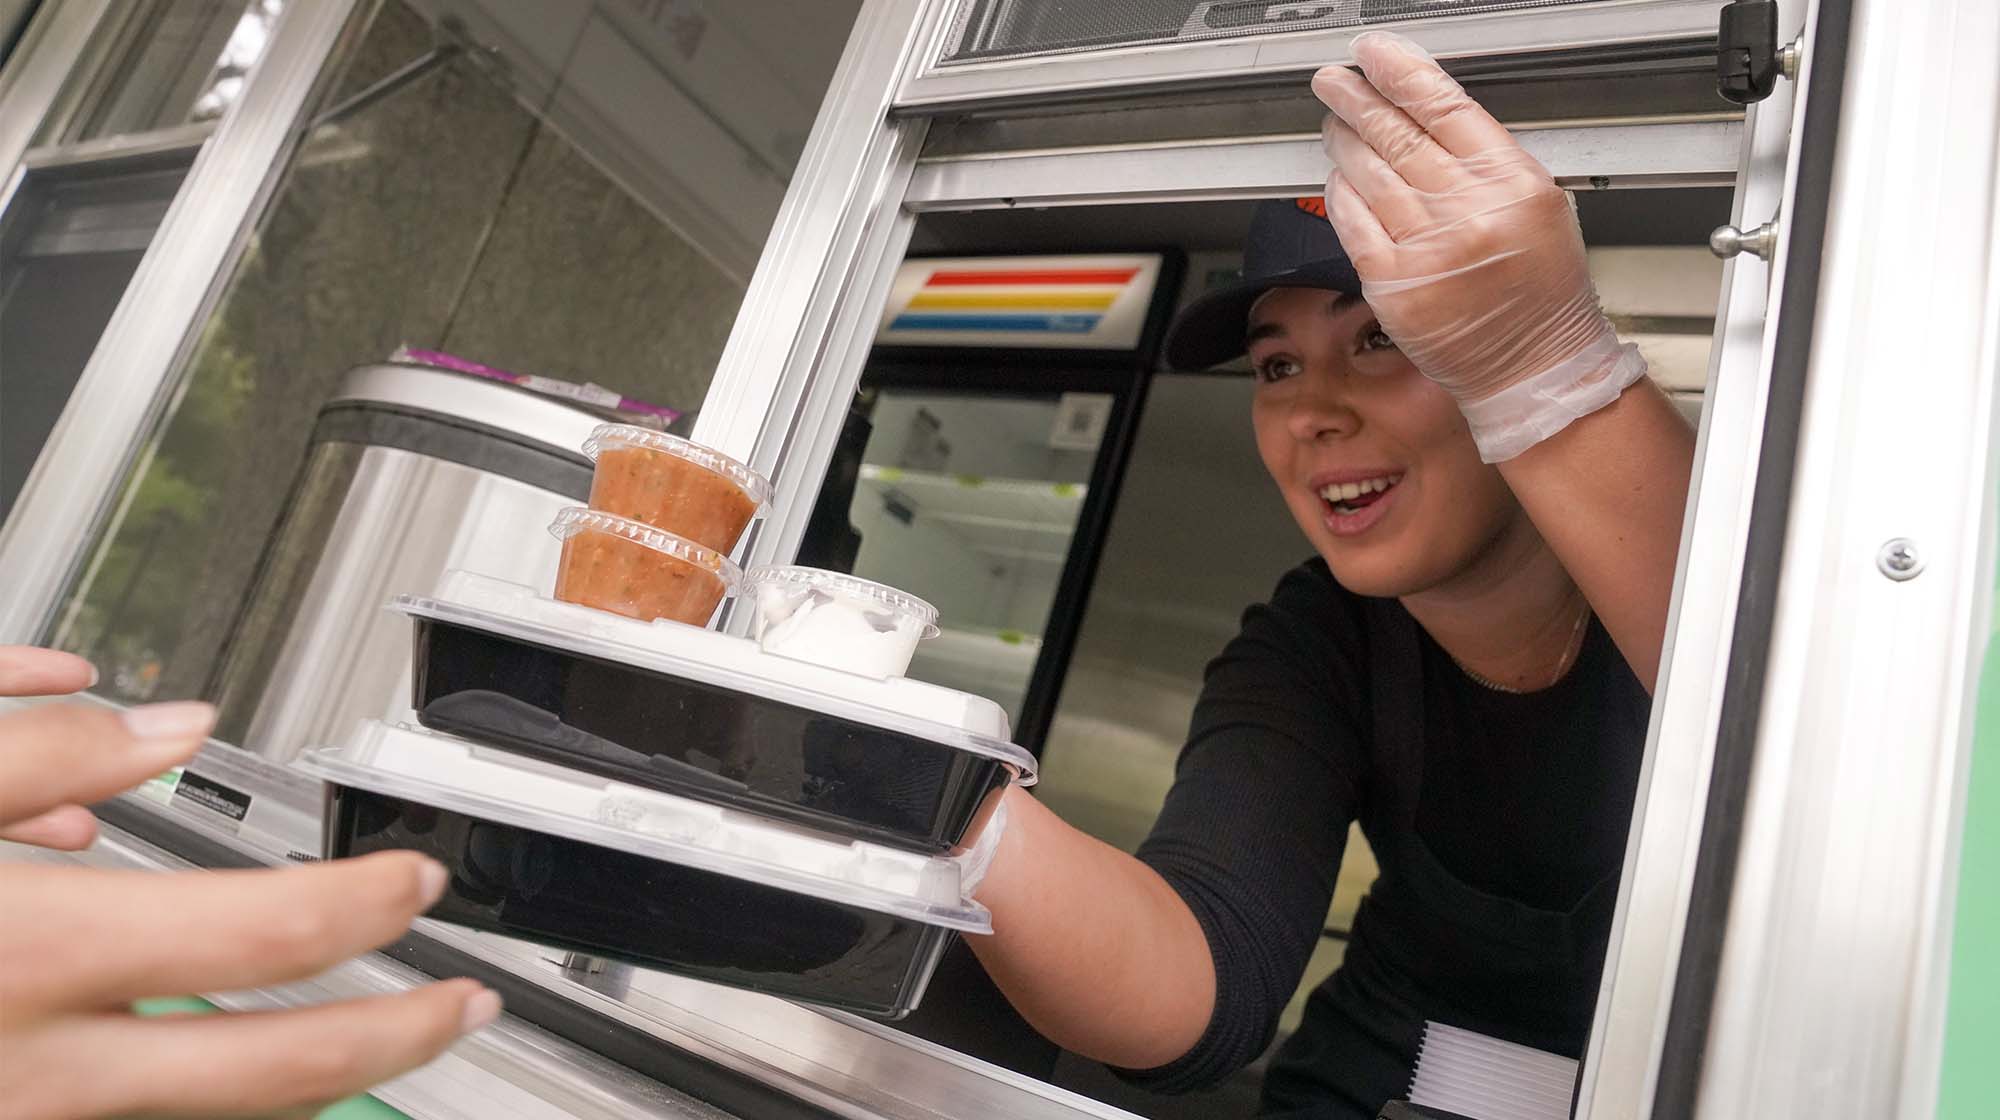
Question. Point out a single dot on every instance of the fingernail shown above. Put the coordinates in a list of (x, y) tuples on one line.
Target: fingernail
[(479, 1011), (431, 880), (95, 676), (179, 719)]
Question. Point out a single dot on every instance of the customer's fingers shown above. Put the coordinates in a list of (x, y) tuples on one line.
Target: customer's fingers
[(65, 828), (104, 938), (75, 754), (29, 671), (234, 1064)]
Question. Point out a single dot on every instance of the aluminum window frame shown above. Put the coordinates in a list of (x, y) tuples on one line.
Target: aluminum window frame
[(930, 85), (56, 41), (131, 377), (795, 356), (1832, 985)]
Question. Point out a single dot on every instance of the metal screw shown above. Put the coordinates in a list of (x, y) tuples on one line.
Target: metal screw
[(1600, 182), (1900, 560), (1789, 57)]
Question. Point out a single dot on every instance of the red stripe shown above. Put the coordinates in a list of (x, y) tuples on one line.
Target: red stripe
[(1044, 276)]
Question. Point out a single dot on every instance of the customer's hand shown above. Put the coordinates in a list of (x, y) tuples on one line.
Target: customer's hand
[(78, 945), (1468, 252)]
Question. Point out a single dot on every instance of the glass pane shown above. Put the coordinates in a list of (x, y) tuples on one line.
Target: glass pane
[(68, 246), (963, 500), (990, 29), (162, 63), (446, 203)]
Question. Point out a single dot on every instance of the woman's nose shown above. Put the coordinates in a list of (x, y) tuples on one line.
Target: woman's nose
[(1320, 409)]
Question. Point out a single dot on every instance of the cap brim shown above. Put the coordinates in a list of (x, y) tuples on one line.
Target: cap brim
[(1210, 330)]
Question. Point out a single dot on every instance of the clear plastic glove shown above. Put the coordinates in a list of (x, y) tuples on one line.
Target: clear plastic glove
[(1468, 251), (973, 859), (78, 945)]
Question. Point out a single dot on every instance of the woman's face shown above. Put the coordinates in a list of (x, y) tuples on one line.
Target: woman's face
[(1373, 459)]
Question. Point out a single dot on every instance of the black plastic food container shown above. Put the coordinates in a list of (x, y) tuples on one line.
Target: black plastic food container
[(565, 893), (732, 744)]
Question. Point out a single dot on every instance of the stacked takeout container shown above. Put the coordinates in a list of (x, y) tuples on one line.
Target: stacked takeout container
[(602, 772)]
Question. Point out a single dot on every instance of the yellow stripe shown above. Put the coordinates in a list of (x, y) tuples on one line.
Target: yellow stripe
[(1065, 301)]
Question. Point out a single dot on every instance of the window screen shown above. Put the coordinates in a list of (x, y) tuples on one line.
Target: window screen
[(994, 29)]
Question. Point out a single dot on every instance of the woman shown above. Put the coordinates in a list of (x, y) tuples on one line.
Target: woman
[(1495, 495)]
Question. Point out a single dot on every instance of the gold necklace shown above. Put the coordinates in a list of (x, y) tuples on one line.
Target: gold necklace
[(1570, 650)]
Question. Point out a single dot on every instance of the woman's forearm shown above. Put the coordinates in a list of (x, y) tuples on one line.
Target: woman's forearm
[(1608, 494), (1091, 945)]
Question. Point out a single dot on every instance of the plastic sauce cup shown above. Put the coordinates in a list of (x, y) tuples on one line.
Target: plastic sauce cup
[(619, 565), (838, 620), (672, 484)]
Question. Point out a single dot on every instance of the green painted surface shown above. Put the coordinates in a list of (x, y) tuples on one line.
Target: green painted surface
[(354, 1108), (1970, 1086)]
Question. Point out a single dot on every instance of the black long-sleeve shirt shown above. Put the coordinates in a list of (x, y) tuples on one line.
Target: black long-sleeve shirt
[(1522, 797)]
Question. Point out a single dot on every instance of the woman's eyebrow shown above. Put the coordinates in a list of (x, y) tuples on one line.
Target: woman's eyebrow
[(1341, 302), (1261, 331)]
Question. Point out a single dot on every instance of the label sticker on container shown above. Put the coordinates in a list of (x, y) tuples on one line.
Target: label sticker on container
[(231, 803)]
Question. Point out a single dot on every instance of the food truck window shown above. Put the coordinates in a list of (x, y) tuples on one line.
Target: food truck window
[(158, 63), (575, 191), (138, 104), (1198, 532)]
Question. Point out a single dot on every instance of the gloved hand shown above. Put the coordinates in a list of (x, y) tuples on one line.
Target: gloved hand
[(1468, 252)]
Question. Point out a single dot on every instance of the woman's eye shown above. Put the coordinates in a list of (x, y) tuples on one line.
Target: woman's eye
[(1276, 369), (1375, 338)]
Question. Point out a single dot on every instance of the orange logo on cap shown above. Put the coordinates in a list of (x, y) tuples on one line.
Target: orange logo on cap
[(1316, 205)]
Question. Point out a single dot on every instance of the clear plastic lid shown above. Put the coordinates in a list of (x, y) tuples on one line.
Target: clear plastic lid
[(902, 603), (458, 776), (611, 437), (572, 520), (954, 719)]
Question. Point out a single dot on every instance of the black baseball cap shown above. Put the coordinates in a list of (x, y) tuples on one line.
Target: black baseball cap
[(1291, 245)]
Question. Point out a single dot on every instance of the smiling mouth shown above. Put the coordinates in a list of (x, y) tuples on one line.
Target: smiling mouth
[(1349, 498)]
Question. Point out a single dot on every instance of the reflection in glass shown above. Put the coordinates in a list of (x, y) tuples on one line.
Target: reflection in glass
[(471, 209), (162, 63), (69, 243)]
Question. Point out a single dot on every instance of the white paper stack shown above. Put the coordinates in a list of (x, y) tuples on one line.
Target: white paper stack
[(1482, 1078)]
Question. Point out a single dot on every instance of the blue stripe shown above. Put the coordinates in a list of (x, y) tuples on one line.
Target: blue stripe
[(1048, 324)]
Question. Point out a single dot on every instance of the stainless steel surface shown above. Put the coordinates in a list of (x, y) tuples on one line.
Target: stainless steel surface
[(1831, 991), (1760, 241), (1790, 58), (314, 652), (491, 403), (509, 1071), (131, 374), (929, 86), (53, 44), (1674, 153), (1621, 1064), (1900, 560)]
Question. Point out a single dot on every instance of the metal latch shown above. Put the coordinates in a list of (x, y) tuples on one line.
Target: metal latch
[(1728, 241), (1747, 60)]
